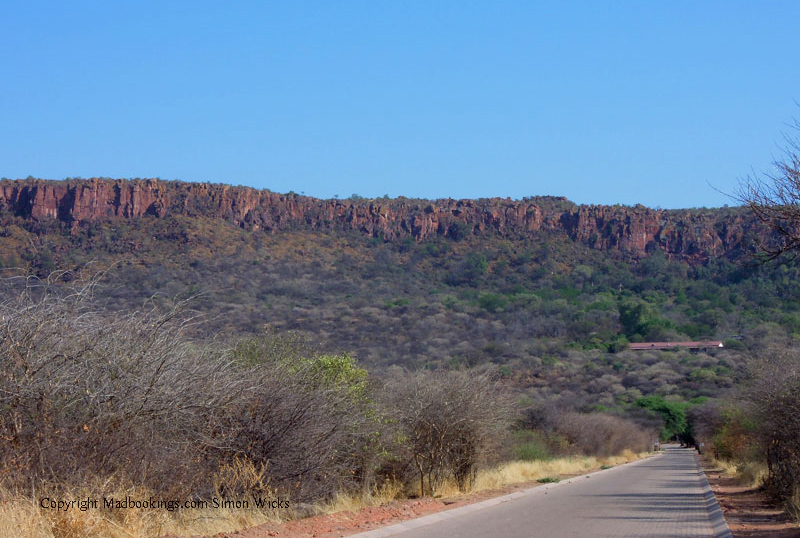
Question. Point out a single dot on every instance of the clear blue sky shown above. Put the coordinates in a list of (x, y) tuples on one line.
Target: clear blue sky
[(602, 102)]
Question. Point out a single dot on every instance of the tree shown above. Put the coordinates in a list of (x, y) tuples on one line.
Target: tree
[(673, 413), (469, 270), (775, 200), (636, 316)]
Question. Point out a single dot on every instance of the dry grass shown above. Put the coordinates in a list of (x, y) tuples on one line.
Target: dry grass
[(749, 474), (389, 491), (728, 468), (517, 472), (22, 516)]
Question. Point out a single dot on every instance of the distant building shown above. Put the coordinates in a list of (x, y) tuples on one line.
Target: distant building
[(643, 346)]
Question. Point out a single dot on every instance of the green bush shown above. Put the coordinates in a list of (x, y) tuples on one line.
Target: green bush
[(673, 414), (530, 445), (492, 302)]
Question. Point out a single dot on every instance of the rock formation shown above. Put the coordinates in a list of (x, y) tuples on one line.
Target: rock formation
[(692, 235)]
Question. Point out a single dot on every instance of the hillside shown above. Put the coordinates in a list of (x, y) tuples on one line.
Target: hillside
[(548, 290)]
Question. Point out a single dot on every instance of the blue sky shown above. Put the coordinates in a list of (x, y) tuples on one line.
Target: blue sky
[(657, 103)]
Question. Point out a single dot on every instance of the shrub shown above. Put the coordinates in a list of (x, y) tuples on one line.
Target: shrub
[(452, 421), (599, 434), (85, 393), (596, 434)]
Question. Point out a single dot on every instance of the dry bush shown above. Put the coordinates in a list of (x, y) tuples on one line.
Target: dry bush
[(591, 434), (452, 422), (775, 200), (600, 434), (86, 394), (774, 393), (706, 420), (116, 400), (310, 433)]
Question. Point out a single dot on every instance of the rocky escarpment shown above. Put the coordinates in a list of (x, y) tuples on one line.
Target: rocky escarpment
[(693, 235)]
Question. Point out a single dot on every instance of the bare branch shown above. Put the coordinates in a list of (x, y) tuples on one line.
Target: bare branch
[(775, 201)]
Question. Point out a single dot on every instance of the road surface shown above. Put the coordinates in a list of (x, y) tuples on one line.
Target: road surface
[(665, 496)]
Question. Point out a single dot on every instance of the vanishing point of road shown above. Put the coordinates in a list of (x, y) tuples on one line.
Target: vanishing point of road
[(664, 496)]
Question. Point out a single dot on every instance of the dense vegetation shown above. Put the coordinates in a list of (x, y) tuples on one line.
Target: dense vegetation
[(554, 315)]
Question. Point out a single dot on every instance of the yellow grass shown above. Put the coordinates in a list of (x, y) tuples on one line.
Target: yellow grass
[(22, 516), (749, 473), (388, 491), (19, 517), (516, 472), (728, 468)]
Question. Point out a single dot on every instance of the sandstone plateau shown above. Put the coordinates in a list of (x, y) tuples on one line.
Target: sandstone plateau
[(692, 235)]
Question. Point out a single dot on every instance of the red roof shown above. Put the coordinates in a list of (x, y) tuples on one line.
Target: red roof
[(669, 345)]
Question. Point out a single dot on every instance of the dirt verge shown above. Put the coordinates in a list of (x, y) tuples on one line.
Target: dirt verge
[(749, 512), (346, 523)]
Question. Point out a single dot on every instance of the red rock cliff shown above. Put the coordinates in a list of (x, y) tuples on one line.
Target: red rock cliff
[(695, 235)]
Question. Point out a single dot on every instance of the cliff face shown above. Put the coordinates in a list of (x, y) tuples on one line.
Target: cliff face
[(692, 235)]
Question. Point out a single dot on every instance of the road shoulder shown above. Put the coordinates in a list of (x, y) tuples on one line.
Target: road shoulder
[(748, 511)]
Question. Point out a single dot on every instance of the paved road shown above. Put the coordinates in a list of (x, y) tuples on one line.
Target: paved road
[(665, 496)]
